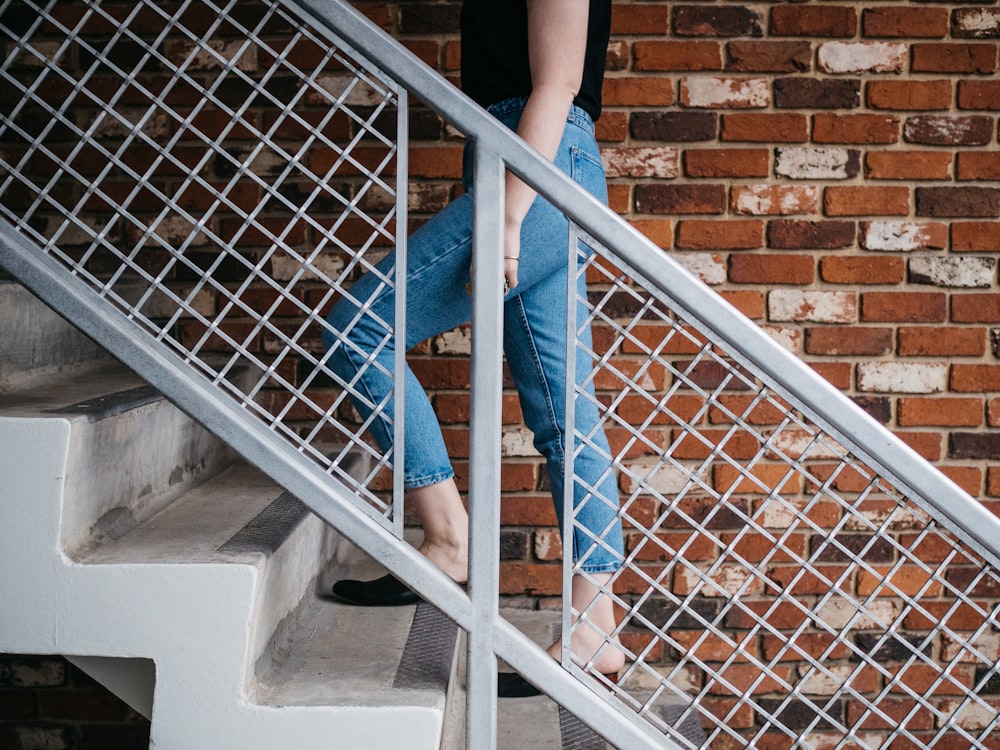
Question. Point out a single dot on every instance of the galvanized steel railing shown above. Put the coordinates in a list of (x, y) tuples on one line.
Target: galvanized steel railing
[(208, 177)]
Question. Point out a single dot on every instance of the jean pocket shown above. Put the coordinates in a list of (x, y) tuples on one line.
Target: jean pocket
[(587, 170)]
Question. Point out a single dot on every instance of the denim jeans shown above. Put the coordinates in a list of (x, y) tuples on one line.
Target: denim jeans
[(439, 255)]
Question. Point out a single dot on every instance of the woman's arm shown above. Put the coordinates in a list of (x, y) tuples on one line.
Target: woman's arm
[(557, 41)]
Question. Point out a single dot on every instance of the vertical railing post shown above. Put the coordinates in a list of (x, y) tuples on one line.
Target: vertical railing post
[(484, 447), (399, 324)]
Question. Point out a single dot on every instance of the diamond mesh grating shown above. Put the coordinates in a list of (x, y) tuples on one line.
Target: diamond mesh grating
[(221, 174), (787, 593)]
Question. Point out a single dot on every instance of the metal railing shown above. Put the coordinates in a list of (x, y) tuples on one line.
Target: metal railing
[(210, 176)]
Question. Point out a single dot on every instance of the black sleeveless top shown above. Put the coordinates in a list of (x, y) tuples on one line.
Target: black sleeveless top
[(495, 52)]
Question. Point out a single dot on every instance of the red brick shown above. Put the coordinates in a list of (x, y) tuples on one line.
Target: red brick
[(979, 165), (975, 378), (696, 198), (643, 91), (772, 269), (713, 20), (612, 127), (813, 21), (849, 341), (979, 94), (910, 22), (659, 231), (940, 412), (855, 128), (436, 162), (768, 56), (866, 200), (530, 579), (908, 165), (719, 234), (921, 341), (728, 162), (652, 18), (975, 236), (837, 269), (954, 58), (976, 308), (993, 413), (677, 56), (765, 128), (750, 303), (520, 510), (924, 307), (909, 95), (969, 478), (620, 197)]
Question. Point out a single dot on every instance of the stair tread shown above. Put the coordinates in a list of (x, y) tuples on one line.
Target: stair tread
[(197, 526), (64, 395)]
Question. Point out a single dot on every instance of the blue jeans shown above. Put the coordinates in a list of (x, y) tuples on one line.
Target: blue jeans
[(439, 255)]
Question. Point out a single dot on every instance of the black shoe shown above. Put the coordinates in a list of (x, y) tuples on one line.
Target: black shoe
[(387, 591), (512, 685)]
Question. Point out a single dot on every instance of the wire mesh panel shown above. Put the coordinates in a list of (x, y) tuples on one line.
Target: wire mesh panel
[(775, 586), (221, 174)]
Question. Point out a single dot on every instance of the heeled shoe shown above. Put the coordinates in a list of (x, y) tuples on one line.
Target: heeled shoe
[(512, 685), (387, 591)]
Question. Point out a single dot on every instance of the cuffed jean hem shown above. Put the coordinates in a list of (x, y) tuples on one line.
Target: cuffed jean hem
[(427, 481), (596, 569)]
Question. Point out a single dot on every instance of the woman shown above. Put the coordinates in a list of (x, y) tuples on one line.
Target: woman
[(538, 67)]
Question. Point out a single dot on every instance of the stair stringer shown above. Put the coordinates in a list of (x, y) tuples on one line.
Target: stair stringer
[(194, 621)]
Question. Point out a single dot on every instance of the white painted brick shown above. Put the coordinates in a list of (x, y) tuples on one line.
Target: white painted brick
[(977, 22), (902, 377), (947, 128), (74, 234), (641, 162), (666, 479), (709, 267), (774, 199), (457, 341), (726, 579), (862, 57), (517, 441), (838, 613), (361, 95), (967, 273), (812, 306), (789, 338), (897, 236), (799, 444), (324, 266), (973, 717), (742, 93), (219, 54), (127, 122), (40, 54), (809, 163), (971, 650)]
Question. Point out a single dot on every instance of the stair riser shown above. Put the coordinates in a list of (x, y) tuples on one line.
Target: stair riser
[(35, 343)]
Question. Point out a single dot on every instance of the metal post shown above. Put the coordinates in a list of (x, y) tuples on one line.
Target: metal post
[(484, 456)]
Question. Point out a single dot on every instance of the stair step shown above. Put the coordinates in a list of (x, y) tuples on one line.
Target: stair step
[(36, 344)]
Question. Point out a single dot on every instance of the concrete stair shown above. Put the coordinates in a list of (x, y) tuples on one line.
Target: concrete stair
[(138, 545)]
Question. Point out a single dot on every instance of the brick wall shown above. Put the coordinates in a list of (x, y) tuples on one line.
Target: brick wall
[(832, 169)]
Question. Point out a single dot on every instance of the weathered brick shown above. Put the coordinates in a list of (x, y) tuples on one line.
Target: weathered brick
[(979, 165), (964, 202), (617, 57), (728, 162), (979, 445), (680, 199), (908, 307), (837, 269), (976, 308), (940, 412), (859, 128), (975, 378), (862, 57), (716, 20), (908, 165), (789, 234), (640, 161), (811, 163), (641, 91), (966, 272), (765, 127), (975, 23), (768, 56), (949, 130), (714, 235), (902, 377), (817, 93), (907, 22), (728, 93), (709, 267), (674, 127), (975, 236), (813, 20), (866, 200), (771, 269), (941, 341), (954, 58), (677, 56), (773, 199), (909, 95), (794, 305), (853, 341), (903, 236), (979, 94)]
